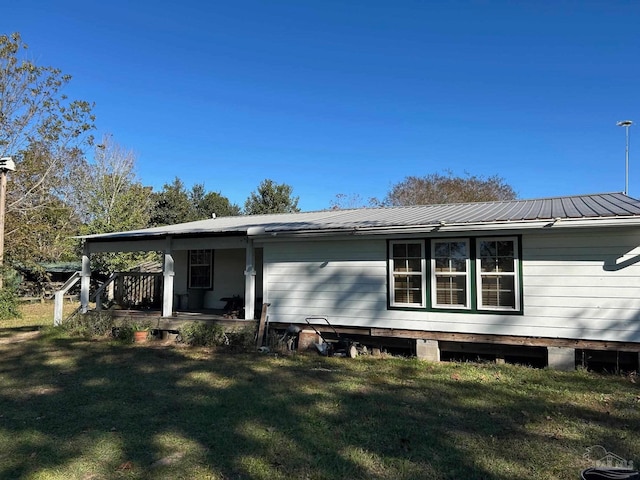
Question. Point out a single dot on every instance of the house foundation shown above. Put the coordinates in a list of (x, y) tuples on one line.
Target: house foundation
[(428, 350), (561, 358)]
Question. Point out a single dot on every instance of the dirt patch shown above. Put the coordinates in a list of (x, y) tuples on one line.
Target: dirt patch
[(19, 337)]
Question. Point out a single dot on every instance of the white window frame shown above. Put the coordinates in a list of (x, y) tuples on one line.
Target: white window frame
[(515, 274), (422, 274), (467, 274), (209, 265)]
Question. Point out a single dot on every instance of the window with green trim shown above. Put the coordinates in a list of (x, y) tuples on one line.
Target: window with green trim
[(407, 274), (474, 274), (450, 276), (497, 273)]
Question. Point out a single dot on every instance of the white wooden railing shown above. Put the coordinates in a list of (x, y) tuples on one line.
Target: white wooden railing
[(59, 298)]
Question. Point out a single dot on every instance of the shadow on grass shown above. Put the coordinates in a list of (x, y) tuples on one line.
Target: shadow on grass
[(71, 408)]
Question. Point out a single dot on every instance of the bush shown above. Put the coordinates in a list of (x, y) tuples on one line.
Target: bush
[(200, 334), (243, 339), (90, 324), (9, 307)]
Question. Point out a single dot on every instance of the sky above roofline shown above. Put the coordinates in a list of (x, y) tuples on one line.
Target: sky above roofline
[(351, 97)]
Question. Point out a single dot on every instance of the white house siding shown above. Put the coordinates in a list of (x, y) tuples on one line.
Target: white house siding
[(576, 284)]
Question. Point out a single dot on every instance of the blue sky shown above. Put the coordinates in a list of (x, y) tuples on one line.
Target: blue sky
[(352, 96)]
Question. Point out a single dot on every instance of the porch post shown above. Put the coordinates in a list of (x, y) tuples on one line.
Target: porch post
[(168, 272), (85, 279), (249, 282)]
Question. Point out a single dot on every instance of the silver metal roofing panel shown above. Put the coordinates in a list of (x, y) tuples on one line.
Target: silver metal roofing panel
[(609, 205)]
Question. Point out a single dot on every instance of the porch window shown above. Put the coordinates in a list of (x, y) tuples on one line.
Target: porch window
[(407, 274), (497, 267), (200, 269), (450, 282)]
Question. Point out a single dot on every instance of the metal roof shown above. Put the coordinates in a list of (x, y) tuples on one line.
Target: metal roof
[(582, 207)]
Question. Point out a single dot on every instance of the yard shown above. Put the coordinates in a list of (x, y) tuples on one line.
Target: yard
[(99, 409)]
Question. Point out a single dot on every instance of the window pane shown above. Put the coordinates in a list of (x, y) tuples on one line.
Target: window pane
[(401, 296), (498, 291), (399, 250), (458, 249), (414, 250), (451, 290), (487, 265), (506, 265), (458, 265), (415, 297), (441, 249), (400, 266), (442, 264), (414, 265), (487, 249), (505, 248)]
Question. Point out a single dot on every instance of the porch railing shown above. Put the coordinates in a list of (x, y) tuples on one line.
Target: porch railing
[(135, 290)]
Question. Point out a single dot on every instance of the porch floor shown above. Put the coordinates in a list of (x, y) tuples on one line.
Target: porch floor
[(157, 321)]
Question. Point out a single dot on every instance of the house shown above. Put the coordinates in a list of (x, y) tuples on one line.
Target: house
[(559, 275)]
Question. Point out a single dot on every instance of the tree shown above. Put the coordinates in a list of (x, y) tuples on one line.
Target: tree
[(175, 204), (171, 205), (208, 204), (271, 198), (110, 198), (437, 188), (342, 201), (39, 221), (43, 130)]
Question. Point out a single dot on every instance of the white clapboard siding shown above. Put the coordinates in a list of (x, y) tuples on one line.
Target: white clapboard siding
[(576, 284)]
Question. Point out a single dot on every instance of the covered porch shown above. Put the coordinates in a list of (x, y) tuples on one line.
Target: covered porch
[(205, 278)]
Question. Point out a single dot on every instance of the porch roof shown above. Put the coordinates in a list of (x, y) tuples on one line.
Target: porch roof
[(606, 209)]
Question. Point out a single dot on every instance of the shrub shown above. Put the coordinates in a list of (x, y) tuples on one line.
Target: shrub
[(200, 334), (243, 339), (89, 324), (9, 307)]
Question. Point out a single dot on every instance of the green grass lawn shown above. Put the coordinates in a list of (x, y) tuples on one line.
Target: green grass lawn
[(73, 408)]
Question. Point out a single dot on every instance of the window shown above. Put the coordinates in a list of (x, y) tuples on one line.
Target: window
[(450, 273), (474, 274), (497, 267), (200, 268), (407, 276)]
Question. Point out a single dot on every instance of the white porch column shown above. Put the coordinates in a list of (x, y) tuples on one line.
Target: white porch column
[(250, 282), (85, 279), (168, 272)]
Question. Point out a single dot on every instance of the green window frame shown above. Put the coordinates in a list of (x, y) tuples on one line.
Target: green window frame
[(465, 274), (407, 274), (451, 273), (498, 276), (201, 269)]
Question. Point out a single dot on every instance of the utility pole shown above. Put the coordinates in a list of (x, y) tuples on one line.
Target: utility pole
[(6, 165), (626, 124)]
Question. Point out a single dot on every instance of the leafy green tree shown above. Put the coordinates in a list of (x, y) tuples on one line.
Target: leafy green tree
[(39, 222), (270, 197), (110, 198), (175, 204), (172, 205), (438, 188), (208, 204), (43, 130)]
